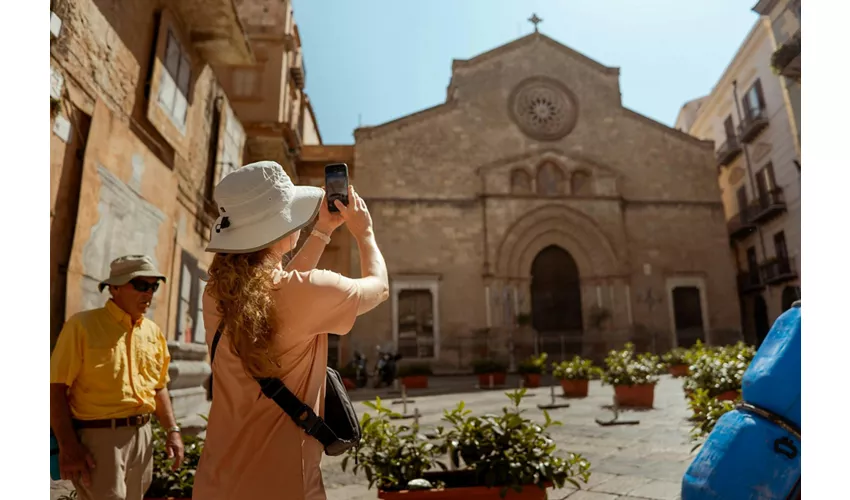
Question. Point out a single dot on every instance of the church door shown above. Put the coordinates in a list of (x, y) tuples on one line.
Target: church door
[(687, 314), (556, 303)]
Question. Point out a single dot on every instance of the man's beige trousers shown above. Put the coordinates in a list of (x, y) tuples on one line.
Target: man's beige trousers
[(123, 463)]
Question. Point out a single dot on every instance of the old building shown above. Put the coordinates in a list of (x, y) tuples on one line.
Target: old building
[(146, 117), (750, 117), (784, 18), (531, 210)]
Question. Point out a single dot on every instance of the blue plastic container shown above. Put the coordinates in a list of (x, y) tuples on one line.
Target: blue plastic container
[(54, 458), (747, 456)]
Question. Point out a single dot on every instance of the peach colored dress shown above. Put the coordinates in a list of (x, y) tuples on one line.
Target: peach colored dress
[(253, 449)]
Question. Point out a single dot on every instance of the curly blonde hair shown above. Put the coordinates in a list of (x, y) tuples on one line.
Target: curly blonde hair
[(241, 285)]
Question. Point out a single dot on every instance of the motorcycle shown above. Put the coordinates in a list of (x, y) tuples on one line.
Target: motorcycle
[(386, 368), (356, 370)]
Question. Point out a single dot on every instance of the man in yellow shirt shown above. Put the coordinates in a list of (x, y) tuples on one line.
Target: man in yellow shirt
[(108, 373)]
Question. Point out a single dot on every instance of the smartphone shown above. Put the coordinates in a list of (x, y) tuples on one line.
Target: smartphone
[(336, 184)]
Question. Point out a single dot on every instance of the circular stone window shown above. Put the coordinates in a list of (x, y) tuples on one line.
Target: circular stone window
[(543, 108)]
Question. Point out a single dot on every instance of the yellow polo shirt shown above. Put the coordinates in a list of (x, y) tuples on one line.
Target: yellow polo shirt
[(113, 367)]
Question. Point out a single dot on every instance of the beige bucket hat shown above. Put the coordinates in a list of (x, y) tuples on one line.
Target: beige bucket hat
[(123, 269), (259, 206)]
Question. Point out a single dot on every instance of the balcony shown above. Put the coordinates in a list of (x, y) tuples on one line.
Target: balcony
[(767, 206), (728, 151), (740, 225), (786, 59), (752, 126), (778, 270), (296, 71), (215, 31), (749, 281)]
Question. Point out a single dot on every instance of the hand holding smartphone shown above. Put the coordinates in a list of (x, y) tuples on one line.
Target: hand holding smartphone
[(336, 184)]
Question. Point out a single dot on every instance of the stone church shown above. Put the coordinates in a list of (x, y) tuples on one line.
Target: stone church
[(532, 212)]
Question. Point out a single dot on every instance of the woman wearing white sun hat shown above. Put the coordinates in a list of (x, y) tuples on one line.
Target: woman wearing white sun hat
[(274, 323)]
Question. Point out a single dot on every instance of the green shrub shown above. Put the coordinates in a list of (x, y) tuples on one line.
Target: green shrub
[(576, 369), (534, 364), (415, 369), (485, 366)]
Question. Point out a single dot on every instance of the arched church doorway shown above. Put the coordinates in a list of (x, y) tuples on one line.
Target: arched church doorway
[(556, 303), (762, 323)]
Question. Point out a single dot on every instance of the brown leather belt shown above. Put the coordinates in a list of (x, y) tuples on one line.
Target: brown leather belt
[(113, 423)]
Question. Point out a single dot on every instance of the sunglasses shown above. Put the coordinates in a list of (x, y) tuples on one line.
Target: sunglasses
[(144, 286)]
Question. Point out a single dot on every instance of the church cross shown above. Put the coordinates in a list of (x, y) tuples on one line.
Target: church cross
[(535, 21)]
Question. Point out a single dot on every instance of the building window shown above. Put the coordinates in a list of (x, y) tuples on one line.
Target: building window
[(580, 183), (174, 84), (234, 140), (766, 183), (416, 318), (520, 181), (190, 309), (780, 246), (754, 104), (246, 82), (550, 179), (742, 199), (729, 128)]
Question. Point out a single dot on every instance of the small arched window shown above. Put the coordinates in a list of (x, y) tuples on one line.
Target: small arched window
[(580, 183), (550, 179), (520, 181)]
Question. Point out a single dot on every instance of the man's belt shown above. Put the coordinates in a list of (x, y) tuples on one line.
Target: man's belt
[(113, 423)]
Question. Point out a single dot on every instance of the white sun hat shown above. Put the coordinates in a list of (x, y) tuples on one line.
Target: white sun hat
[(258, 206)]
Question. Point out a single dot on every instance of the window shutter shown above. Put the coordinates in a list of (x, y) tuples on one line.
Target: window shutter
[(760, 93)]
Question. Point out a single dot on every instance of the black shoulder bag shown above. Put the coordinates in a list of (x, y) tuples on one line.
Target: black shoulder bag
[(338, 431)]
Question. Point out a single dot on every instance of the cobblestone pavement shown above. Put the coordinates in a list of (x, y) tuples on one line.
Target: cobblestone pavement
[(645, 461)]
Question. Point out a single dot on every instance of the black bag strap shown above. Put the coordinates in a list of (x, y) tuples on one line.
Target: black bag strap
[(300, 413)]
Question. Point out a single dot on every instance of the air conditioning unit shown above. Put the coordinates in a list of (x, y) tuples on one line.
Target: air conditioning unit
[(55, 25)]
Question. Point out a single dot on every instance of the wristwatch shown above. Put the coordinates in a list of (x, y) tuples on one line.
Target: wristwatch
[(176, 429)]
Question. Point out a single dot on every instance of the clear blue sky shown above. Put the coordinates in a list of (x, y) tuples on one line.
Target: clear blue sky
[(372, 61)]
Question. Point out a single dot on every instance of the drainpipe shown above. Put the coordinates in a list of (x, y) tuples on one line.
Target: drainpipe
[(749, 169)]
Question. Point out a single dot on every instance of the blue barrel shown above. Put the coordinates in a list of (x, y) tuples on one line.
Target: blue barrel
[(54, 458), (755, 453)]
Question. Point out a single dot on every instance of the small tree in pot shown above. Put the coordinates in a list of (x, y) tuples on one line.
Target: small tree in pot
[(500, 456), (415, 375), (574, 376), (677, 361), (490, 369), (532, 368), (166, 483), (633, 376)]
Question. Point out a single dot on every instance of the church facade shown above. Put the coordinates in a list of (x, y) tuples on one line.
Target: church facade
[(532, 212)]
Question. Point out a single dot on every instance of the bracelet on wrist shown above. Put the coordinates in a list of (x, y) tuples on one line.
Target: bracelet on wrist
[(173, 429), (322, 236)]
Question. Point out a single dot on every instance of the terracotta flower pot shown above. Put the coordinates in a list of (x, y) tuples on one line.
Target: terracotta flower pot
[(728, 396), (574, 388), (484, 379), (531, 380), (635, 396), (529, 492), (415, 381), (678, 370)]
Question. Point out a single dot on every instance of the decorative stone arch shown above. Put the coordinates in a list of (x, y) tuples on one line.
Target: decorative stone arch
[(558, 225), (520, 180), (550, 178), (581, 183)]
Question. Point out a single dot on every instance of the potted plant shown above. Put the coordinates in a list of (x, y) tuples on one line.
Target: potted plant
[(707, 410), (169, 484), (532, 368), (633, 376), (574, 376), (415, 375), (720, 372), (677, 363), (497, 456), (490, 369)]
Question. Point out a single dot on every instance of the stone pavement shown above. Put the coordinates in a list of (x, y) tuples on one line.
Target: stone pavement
[(645, 461)]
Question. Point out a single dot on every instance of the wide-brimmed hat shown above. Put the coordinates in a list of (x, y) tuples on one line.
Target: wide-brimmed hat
[(258, 206), (123, 269)]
